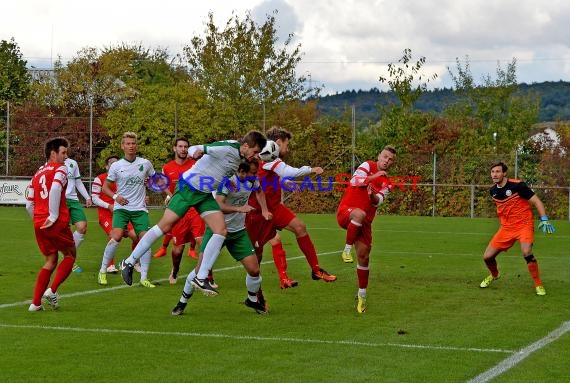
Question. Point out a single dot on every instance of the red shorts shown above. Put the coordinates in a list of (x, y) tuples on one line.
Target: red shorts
[(261, 231), (505, 238), (190, 227), (106, 222), (56, 238), (343, 219)]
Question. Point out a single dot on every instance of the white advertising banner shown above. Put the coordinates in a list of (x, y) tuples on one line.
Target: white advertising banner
[(13, 192)]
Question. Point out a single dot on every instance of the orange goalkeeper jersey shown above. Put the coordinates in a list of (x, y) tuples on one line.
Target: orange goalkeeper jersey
[(511, 200)]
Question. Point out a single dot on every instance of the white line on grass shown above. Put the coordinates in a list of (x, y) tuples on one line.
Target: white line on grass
[(254, 338), (515, 359), (109, 289)]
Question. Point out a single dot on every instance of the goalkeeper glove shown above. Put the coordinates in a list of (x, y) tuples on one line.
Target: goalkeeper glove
[(545, 226)]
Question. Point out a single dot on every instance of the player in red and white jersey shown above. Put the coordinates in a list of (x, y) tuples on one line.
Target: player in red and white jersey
[(173, 170), (367, 189), (105, 206), (46, 204), (261, 231)]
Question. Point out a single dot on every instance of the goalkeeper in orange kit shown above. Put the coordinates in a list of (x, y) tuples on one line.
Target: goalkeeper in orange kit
[(513, 199)]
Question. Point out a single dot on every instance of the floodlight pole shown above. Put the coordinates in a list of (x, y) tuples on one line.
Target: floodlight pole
[(353, 138), (7, 135)]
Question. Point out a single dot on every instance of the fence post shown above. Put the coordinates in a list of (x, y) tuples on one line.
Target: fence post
[(7, 136), (472, 201)]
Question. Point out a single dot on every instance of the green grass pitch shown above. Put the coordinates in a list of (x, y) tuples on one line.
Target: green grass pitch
[(427, 319)]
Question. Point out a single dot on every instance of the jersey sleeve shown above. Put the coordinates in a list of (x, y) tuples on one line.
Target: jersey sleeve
[(525, 191)]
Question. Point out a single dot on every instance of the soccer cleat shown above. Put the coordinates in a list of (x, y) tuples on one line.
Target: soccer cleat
[(51, 298), (160, 253), (33, 308), (112, 269), (257, 306), (487, 281), (179, 308), (287, 283), (360, 304), (76, 268), (102, 279), (147, 283), (213, 283), (347, 257), (127, 272), (324, 275), (192, 253), (204, 286), (540, 290)]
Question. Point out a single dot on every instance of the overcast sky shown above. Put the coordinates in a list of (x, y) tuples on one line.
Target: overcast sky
[(346, 44)]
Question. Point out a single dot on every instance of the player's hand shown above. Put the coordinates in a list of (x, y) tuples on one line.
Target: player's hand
[(545, 226), (47, 223), (89, 202), (317, 170), (246, 209), (198, 154), (267, 215)]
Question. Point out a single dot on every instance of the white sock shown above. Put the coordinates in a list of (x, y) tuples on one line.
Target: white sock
[(361, 292), (347, 248), (145, 263), (78, 238), (211, 252), (144, 244), (108, 254), (188, 287), (253, 285)]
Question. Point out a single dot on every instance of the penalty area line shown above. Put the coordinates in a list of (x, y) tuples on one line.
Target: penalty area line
[(253, 338), (519, 356)]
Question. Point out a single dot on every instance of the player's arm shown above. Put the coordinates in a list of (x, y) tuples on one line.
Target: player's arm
[(196, 151), (227, 208), (30, 200), (57, 187), (260, 196), (96, 189), (81, 189), (284, 170), (545, 226)]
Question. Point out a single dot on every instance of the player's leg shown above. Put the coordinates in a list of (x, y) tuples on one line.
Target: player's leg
[(490, 259), (362, 273), (532, 265), (79, 220), (164, 247), (280, 260), (353, 229), (216, 224)]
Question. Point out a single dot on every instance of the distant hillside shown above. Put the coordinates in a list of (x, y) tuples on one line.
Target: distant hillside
[(554, 105)]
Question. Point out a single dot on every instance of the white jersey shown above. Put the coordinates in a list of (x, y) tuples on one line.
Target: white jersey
[(237, 194), (72, 175), (130, 179), (220, 161)]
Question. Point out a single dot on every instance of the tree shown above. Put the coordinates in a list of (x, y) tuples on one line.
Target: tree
[(244, 74), (14, 77)]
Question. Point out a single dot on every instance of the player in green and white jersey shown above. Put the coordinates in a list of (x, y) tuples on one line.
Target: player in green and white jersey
[(217, 161), (76, 213), (129, 174), (232, 197)]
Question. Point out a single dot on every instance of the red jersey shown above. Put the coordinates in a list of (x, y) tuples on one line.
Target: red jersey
[(173, 171), (97, 190), (356, 196), (40, 190)]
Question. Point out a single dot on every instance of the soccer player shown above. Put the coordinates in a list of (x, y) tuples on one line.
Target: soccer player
[(78, 217), (129, 174), (46, 204), (173, 170), (262, 231), (513, 199), (232, 197), (216, 162), (367, 189), (105, 205)]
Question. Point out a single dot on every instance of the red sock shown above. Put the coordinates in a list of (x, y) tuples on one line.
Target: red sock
[(166, 240), (492, 266), (62, 272), (352, 232), (533, 270), (307, 247), (362, 274), (41, 285), (280, 259)]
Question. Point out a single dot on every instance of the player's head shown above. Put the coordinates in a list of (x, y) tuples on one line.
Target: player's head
[(56, 149), (129, 144), (248, 170), (386, 157), (251, 145), (110, 161), (281, 137), (180, 148), (498, 172)]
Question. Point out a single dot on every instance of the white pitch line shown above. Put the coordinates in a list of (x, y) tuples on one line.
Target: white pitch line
[(109, 289), (515, 359), (253, 338)]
